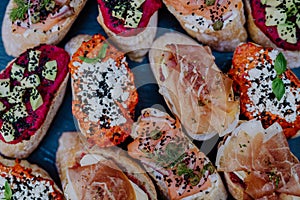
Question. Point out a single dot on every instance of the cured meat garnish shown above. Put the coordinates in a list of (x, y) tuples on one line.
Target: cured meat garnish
[(104, 92), (103, 179), (200, 94), (264, 157)]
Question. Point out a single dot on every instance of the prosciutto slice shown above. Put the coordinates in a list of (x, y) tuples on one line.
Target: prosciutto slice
[(266, 158), (200, 95)]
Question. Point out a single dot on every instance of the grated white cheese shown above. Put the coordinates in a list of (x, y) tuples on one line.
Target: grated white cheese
[(27, 189), (101, 85), (261, 95)]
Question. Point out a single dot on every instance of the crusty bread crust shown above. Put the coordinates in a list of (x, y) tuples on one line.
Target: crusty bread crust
[(292, 57), (225, 40), (70, 145), (24, 148), (16, 43), (136, 47), (36, 170), (72, 46), (155, 58)]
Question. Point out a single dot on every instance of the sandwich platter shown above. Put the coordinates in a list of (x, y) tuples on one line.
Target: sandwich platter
[(86, 23)]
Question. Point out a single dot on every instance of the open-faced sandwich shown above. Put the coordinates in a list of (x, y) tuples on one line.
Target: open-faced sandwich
[(23, 180), (194, 88), (104, 95), (258, 164), (179, 168), (29, 23), (276, 23), (130, 24), (108, 173), (32, 88), (217, 23), (268, 89)]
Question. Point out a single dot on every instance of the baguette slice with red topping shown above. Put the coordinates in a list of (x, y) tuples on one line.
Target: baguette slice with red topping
[(104, 94), (32, 89), (100, 173), (23, 180), (194, 88), (276, 24), (179, 168), (131, 25), (28, 23), (216, 23), (268, 89), (258, 163)]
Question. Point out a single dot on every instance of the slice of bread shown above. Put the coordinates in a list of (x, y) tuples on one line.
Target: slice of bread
[(292, 57), (17, 41), (137, 46), (202, 119), (197, 20), (25, 147)]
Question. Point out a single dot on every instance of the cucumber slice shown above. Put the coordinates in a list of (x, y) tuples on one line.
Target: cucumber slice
[(17, 72), (16, 96), (4, 87), (15, 113), (30, 81), (133, 18), (2, 106), (50, 70), (287, 32), (36, 99), (7, 131), (34, 57)]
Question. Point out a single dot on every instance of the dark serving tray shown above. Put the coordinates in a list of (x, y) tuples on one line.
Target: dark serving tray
[(86, 23)]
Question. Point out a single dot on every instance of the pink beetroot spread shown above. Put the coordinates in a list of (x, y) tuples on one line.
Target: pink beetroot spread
[(148, 8), (259, 16), (27, 126)]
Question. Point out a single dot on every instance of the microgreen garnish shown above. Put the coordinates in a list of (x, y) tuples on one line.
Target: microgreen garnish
[(277, 84), (101, 55), (19, 11), (7, 191)]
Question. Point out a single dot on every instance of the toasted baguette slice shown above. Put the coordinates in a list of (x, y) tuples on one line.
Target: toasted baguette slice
[(26, 180), (199, 95), (198, 19), (104, 117), (179, 168), (254, 74), (255, 160), (17, 39), (73, 154), (293, 57), (137, 46), (35, 123)]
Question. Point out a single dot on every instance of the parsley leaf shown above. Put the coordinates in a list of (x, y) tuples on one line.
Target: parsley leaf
[(7, 192)]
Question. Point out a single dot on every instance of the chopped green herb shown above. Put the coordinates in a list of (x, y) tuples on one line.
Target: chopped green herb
[(210, 2), (194, 179), (101, 55), (218, 25), (182, 169), (7, 191), (155, 134), (19, 11)]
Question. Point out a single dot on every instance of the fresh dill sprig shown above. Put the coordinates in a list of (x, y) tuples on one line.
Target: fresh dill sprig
[(19, 11)]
